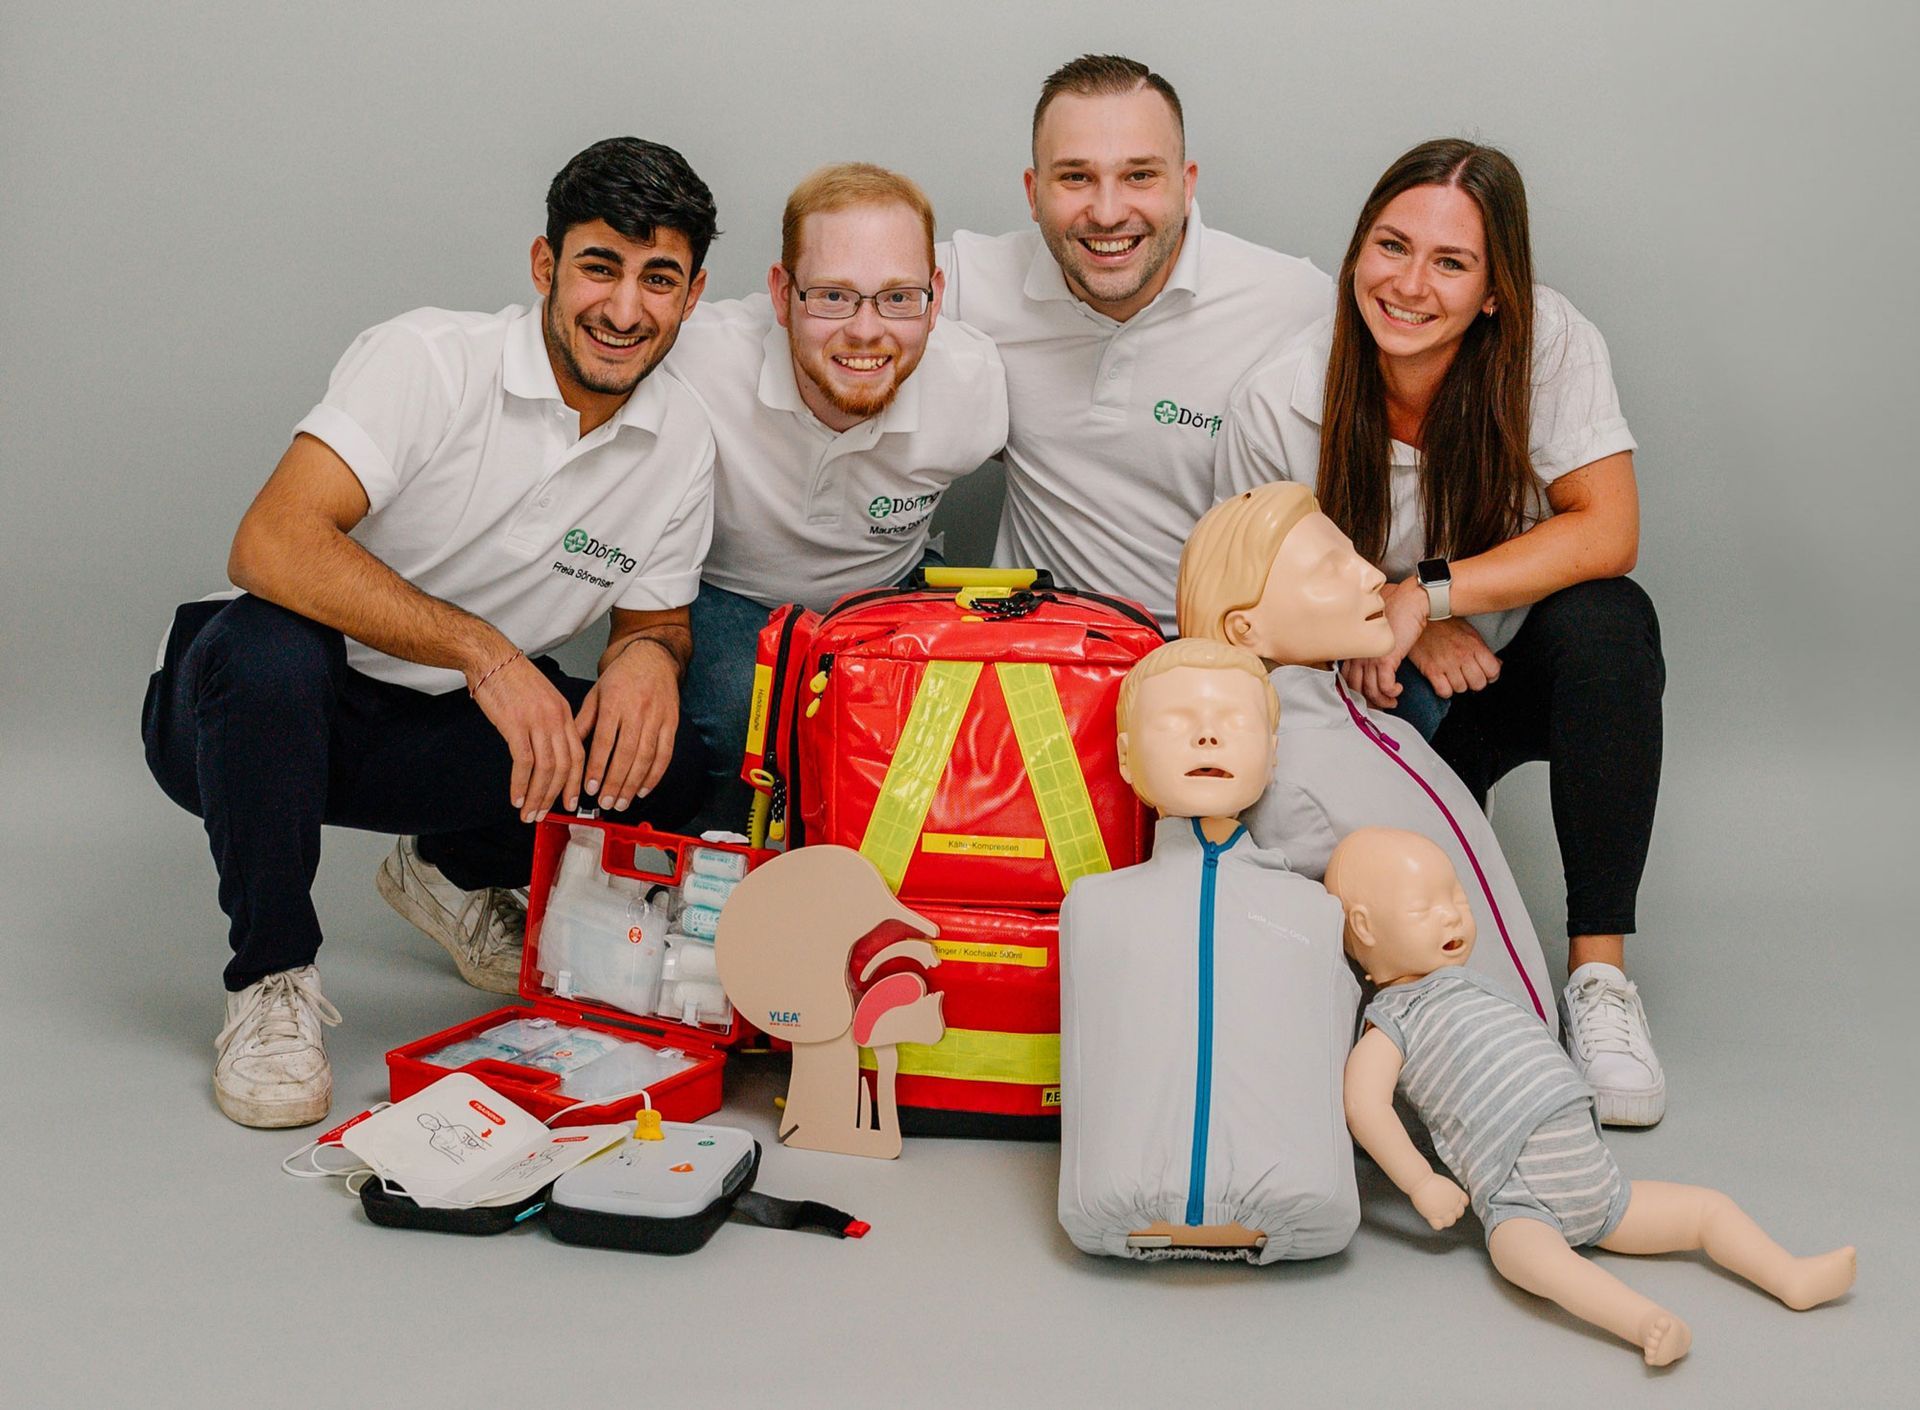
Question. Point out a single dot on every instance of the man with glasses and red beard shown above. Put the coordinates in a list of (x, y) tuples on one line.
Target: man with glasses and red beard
[(473, 490), (844, 405), (1125, 323)]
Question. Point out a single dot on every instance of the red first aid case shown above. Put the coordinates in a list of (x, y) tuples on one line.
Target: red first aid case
[(649, 856)]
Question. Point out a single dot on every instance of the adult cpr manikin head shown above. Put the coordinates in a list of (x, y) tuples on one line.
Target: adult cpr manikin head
[(1406, 912), (1268, 571), (1196, 721)]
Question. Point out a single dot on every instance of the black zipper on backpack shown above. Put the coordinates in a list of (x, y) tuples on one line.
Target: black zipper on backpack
[(772, 745)]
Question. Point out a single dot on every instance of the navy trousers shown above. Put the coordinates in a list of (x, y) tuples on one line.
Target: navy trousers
[(256, 724)]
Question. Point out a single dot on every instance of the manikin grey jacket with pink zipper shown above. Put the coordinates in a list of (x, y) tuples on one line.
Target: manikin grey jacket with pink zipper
[(1339, 766)]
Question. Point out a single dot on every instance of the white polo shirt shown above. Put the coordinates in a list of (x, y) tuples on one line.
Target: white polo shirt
[(1273, 430), (483, 492), (804, 513), (1110, 448)]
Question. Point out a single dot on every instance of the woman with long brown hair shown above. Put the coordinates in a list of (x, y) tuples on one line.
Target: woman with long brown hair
[(1460, 423)]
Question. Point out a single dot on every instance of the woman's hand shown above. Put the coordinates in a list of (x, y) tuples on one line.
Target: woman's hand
[(1407, 615), (1454, 659)]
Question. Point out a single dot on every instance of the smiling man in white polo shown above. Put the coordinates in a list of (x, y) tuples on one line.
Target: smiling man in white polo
[(844, 405), (472, 491), (1125, 323)]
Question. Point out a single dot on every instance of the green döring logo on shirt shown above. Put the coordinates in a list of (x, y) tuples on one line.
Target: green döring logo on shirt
[(882, 505), (582, 542), (1170, 413)]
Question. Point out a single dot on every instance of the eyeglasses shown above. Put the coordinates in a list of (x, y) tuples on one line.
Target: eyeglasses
[(826, 301)]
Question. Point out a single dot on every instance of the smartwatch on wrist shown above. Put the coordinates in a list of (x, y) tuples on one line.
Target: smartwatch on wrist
[(1436, 576)]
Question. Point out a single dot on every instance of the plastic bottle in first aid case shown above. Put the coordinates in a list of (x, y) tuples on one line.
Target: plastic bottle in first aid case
[(690, 989)]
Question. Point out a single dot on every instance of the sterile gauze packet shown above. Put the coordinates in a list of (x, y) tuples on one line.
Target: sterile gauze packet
[(632, 1067), (574, 1049), (523, 1035)]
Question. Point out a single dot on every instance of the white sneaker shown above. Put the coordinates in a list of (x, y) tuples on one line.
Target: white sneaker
[(272, 1069), (484, 931), (1605, 1029)]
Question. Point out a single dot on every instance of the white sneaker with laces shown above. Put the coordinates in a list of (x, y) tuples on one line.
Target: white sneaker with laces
[(1605, 1029), (272, 1069), (483, 930)]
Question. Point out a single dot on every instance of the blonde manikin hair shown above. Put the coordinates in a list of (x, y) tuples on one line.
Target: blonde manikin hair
[(1197, 652), (1230, 552)]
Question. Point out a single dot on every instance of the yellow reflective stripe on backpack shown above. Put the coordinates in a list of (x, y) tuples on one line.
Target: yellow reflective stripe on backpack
[(926, 744), (1053, 769), (978, 1055)]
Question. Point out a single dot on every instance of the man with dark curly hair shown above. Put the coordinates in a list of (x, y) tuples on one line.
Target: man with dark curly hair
[(473, 491)]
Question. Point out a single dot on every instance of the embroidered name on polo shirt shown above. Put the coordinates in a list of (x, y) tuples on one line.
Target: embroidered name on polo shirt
[(887, 513), (581, 542), (1170, 413)]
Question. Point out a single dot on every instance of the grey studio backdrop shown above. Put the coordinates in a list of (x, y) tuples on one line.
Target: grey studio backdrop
[(200, 205)]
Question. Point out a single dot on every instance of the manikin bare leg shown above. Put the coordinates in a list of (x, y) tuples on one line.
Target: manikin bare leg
[(1669, 1218), (1534, 1256)]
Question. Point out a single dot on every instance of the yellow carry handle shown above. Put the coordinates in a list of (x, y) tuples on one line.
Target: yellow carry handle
[(1013, 579)]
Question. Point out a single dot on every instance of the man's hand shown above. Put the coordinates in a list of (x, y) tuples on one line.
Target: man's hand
[(1439, 1200), (1454, 659), (537, 723), (1407, 615), (630, 715)]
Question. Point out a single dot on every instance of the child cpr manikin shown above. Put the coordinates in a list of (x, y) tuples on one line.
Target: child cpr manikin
[(1268, 571), (1206, 1007)]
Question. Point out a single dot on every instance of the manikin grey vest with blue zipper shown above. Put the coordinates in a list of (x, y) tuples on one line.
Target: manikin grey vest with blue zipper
[(1339, 766), (1206, 1012)]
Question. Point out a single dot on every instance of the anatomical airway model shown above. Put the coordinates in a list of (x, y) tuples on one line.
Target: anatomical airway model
[(785, 938)]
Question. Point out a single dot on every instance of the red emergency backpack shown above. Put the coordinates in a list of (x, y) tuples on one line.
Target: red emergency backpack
[(959, 732)]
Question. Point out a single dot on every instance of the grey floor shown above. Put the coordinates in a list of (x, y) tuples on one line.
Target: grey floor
[(155, 1254)]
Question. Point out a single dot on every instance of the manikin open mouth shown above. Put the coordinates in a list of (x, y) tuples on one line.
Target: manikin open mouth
[(1452, 947), (1210, 771)]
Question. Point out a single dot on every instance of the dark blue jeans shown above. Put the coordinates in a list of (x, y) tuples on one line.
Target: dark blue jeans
[(1418, 704), (256, 724)]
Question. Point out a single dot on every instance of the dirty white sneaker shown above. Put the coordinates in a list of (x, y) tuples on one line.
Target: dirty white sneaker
[(272, 1069), (483, 930), (1605, 1029)]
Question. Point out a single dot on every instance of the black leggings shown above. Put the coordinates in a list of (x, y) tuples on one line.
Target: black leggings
[(1579, 687)]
